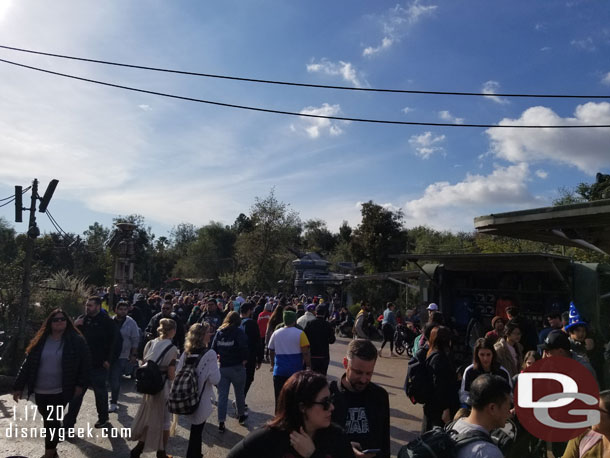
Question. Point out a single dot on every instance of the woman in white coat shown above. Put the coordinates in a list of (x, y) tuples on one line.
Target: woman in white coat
[(208, 374)]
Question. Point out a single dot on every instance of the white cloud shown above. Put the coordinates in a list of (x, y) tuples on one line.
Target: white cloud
[(407, 110), (396, 22), (385, 44), (585, 44), (145, 107), (606, 79), (542, 174), (426, 144), (453, 206), (343, 69), (491, 87), (445, 115), (545, 48), (586, 149), (314, 127)]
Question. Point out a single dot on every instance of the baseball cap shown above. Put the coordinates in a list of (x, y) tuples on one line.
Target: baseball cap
[(310, 307), (433, 306), (556, 339)]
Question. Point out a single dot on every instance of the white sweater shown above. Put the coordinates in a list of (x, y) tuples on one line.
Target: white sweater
[(207, 370)]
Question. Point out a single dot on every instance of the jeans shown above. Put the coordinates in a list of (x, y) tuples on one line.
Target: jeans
[(117, 369), (99, 375), (235, 375), (194, 447), (50, 408)]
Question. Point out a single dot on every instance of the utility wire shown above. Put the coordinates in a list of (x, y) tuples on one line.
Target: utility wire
[(302, 115), (57, 226), (9, 202), (13, 196), (288, 83)]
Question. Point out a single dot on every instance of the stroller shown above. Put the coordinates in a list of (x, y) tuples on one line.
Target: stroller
[(404, 336)]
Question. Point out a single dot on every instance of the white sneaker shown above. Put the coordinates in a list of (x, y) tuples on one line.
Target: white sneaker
[(113, 408)]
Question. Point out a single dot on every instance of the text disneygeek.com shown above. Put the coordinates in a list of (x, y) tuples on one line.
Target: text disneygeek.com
[(19, 432)]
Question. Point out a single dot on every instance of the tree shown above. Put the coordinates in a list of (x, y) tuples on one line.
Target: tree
[(210, 255), (262, 253), (182, 236), (345, 232), (317, 237), (379, 235)]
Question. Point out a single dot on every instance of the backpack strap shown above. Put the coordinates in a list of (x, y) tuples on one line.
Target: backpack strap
[(588, 442), (465, 438), (165, 350)]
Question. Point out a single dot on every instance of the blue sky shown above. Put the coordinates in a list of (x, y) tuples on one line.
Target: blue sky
[(117, 152)]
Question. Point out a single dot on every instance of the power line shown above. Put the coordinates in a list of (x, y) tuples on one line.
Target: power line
[(9, 202), (302, 115), (288, 83), (57, 226), (13, 196)]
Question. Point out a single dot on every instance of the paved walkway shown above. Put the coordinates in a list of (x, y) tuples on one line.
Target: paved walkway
[(390, 372)]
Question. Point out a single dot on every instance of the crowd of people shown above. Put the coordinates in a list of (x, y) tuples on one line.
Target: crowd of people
[(209, 341)]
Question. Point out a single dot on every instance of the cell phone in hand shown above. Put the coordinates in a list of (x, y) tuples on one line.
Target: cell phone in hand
[(371, 450)]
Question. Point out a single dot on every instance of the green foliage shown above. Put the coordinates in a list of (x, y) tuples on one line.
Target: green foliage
[(379, 235), (318, 238), (65, 291), (354, 309), (262, 253)]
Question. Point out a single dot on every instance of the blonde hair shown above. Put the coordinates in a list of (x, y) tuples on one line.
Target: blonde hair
[(165, 326), (195, 337)]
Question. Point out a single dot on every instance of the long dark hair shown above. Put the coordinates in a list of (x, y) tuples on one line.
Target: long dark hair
[(486, 344), (300, 390), (440, 340), (276, 317), (45, 329)]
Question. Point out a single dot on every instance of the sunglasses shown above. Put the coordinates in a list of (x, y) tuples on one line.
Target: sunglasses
[(326, 402), (58, 319)]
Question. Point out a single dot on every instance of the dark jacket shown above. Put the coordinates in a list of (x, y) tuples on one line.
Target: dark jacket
[(364, 416), (231, 345), (75, 366), (320, 334), (256, 351), (444, 386), (100, 334), (151, 329), (274, 443)]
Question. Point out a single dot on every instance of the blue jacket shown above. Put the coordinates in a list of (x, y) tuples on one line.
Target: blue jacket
[(231, 345)]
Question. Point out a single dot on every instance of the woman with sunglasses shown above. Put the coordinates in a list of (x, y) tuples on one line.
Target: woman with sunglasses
[(301, 427), (56, 369)]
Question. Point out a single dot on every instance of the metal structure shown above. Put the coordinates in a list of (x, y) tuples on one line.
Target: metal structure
[(122, 245)]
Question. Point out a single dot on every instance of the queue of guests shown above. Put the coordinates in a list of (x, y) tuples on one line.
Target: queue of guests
[(66, 357)]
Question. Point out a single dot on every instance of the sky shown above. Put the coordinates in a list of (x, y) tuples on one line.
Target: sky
[(118, 152)]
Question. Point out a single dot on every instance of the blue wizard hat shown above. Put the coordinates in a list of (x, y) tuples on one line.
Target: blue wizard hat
[(574, 319)]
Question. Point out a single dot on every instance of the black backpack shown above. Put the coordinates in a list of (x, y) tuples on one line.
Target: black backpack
[(149, 378), (418, 384), (441, 443)]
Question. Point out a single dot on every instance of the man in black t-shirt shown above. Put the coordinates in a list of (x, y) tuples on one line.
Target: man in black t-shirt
[(362, 408)]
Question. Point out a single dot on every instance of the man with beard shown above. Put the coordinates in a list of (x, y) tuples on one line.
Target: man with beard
[(362, 408)]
